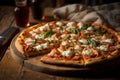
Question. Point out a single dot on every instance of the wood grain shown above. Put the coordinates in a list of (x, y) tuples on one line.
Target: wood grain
[(7, 18), (8, 67)]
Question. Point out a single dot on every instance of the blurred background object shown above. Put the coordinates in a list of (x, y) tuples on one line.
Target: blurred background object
[(21, 13), (59, 3)]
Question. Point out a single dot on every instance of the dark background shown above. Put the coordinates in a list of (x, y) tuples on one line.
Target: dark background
[(7, 2), (86, 2)]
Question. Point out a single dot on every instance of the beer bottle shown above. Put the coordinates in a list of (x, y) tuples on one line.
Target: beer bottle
[(21, 13)]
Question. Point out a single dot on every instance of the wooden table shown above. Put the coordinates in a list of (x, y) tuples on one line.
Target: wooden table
[(11, 70)]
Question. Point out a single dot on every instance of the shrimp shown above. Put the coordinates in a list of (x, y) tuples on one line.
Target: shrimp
[(53, 52)]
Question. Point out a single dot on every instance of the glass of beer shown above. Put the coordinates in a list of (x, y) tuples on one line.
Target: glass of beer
[(21, 13)]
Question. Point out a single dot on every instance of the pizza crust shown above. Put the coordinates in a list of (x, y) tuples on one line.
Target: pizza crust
[(19, 46), (98, 61), (62, 62)]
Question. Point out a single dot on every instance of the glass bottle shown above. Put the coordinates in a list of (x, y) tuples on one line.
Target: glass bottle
[(21, 13), (37, 10)]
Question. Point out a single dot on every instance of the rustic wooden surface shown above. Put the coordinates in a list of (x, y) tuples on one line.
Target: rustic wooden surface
[(12, 70), (34, 63)]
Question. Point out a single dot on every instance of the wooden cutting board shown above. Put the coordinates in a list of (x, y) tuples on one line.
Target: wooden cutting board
[(34, 63)]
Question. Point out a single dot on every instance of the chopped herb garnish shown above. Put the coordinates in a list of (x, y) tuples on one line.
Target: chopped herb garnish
[(100, 32), (42, 47), (85, 27), (69, 37), (48, 33), (74, 31), (76, 42), (92, 42)]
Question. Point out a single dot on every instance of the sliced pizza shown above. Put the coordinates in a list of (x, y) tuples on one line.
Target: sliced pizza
[(69, 43)]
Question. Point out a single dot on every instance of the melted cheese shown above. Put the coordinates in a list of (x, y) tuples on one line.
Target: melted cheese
[(38, 47), (64, 43), (90, 28), (45, 27), (85, 46), (72, 35), (70, 24), (42, 28), (103, 48), (29, 41), (80, 25), (38, 36), (77, 47), (32, 33), (63, 35), (49, 39), (59, 23), (108, 40), (41, 46), (67, 53), (83, 41), (45, 45), (86, 52)]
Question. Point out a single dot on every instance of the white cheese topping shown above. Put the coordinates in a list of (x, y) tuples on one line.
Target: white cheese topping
[(108, 40), (41, 28), (72, 35), (64, 43), (77, 47), (38, 36), (80, 25), (45, 45), (58, 28), (29, 41), (49, 39), (63, 35), (41, 46), (86, 52), (59, 23), (46, 25), (83, 41), (32, 33), (90, 28), (103, 48), (70, 24), (38, 47), (67, 53), (85, 46)]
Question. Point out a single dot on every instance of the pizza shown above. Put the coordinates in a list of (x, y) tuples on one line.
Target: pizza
[(69, 43)]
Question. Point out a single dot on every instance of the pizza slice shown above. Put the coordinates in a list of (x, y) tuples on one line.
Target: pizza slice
[(36, 40), (102, 46), (67, 54)]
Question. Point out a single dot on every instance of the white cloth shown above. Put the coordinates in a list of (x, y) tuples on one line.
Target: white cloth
[(107, 14)]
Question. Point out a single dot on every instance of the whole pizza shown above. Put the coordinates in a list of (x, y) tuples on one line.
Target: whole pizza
[(69, 43)]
